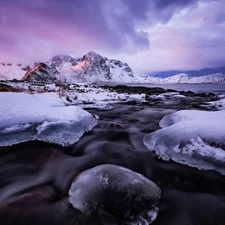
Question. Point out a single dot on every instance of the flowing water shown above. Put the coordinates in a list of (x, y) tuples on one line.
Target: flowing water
[(35, 177)]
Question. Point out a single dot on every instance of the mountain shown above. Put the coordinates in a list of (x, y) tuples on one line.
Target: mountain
[(185, 78), (191, 73), (41, 73), (92, 67), (10, 71), (2, 77)]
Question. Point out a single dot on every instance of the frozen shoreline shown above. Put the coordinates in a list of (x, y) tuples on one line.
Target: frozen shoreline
[(37, 176)]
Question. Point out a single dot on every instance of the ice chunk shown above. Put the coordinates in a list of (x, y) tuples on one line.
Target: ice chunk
[(114, 191), (25, 117), (194, 138)]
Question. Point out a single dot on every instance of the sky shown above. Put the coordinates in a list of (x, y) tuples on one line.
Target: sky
[(150, 35)]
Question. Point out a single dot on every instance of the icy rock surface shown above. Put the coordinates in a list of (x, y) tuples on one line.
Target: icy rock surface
[(114, 191), (27, 117), (191, 137)]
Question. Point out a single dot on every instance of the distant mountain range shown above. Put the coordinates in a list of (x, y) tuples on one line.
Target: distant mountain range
[(93, 67), (186, 79), (191, 73)]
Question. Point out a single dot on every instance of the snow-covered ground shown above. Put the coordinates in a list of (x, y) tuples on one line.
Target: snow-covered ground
[(191, 137), (216, 105), (93, 95), (44, 117)]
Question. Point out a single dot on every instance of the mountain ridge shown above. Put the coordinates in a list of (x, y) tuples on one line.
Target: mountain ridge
[(94, 68), (91, 67), (184, 78)]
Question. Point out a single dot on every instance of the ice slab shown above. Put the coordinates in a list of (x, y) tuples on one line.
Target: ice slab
[(191, 137), (25, 117)]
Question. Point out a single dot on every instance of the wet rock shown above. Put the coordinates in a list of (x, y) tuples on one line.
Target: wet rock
[(113, 193)]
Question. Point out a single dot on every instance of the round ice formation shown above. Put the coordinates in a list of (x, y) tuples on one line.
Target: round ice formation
[(111, 192)]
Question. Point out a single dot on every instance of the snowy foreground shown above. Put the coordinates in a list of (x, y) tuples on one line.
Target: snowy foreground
[(191, 137), (26, 117)]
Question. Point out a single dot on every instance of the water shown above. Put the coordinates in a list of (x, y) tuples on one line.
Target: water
[(35, 177), (197, 88)]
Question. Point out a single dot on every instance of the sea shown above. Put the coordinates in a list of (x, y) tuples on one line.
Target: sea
[(197, 88)]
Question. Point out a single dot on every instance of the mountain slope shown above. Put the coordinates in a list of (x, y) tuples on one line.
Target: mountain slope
[(41, 73), (9, 71)]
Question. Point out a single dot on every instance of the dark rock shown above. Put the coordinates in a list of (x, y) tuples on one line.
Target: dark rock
[(111, 193)]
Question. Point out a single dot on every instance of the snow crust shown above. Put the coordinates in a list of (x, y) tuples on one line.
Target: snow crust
[(43, 117), (191, 137)]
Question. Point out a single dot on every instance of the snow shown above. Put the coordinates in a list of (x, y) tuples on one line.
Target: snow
[(191, 137), (51, 99), (12, 71), (43, 117), (218, 105), (93, 189), (100, 98)]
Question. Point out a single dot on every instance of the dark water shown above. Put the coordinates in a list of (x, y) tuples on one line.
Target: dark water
[(35, 177), (197, 88)]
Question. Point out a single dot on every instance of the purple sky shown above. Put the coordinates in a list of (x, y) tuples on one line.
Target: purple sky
[(150, 35)]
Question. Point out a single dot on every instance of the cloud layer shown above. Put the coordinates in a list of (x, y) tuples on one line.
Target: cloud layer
[(161, 30)]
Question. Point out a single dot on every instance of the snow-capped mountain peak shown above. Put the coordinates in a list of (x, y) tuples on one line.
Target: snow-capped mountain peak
[(92, 56), (90, 68), (62, 61)]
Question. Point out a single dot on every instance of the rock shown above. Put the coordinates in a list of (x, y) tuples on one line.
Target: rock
[(113, 193)]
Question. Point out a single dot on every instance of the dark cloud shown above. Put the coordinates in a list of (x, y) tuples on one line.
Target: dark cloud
[(105, 23), (40, 28), (162, 4)]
